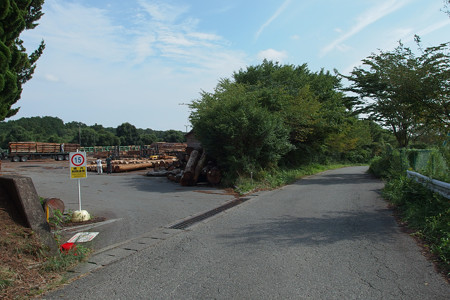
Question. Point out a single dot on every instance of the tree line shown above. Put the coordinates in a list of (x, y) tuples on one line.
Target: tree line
[(272, 115), (266, 116), (54, 130)]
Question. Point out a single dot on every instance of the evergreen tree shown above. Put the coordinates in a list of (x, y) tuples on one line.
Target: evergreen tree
[(16, 66)]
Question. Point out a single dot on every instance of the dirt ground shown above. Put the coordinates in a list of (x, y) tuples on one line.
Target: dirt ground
[(21, 257)]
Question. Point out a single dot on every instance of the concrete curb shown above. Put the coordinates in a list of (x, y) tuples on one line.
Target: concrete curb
[(116, 252)]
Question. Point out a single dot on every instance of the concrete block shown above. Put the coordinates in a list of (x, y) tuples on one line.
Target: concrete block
[(22, 198), (103, 259), (135, 246)]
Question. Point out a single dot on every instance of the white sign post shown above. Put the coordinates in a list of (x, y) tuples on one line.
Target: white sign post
[(78, 169)]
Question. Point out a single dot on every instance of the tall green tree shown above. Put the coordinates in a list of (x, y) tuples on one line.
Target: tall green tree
[(16, 66), (310, 103), (173, 136), (128, 134), (407, 93), (237, 131)]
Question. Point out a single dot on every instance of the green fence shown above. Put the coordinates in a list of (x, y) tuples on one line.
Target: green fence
[(112, 148), (430, 162)]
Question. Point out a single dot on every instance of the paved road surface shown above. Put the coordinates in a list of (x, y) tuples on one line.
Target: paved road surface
[(132, 202), (326, 237)]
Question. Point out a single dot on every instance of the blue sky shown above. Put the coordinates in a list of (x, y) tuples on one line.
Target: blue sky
[(137, 61)]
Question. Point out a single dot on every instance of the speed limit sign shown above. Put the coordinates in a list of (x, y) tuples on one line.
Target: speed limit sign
[(78, 165)]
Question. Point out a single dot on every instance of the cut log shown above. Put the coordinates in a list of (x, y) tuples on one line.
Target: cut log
[(131, 167), (171, 177), (158, 174), (199, 167), (189, 172), (214, 176)]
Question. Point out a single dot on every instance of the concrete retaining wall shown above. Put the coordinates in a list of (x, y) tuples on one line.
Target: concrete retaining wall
[(23, 202)]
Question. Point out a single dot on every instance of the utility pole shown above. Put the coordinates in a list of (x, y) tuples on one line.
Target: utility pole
[(79, 133)]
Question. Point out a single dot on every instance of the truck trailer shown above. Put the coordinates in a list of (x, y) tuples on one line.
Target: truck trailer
[(23, 151)]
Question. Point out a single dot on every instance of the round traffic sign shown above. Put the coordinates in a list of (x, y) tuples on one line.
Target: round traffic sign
[(77, 160)]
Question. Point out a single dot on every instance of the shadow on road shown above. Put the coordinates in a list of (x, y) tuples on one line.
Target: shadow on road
[(328, 229), (163, 185), (338, 179)]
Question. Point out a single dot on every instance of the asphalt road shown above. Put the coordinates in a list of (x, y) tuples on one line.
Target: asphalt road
[(328, 236), (131, 202)]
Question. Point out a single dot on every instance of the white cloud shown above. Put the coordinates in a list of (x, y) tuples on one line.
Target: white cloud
[(433, 27), (272, 18), (51, 77), (343, 48), (152, 64), (365, 19), (160, 11), (271, 54), (163, 31), (83, 31)]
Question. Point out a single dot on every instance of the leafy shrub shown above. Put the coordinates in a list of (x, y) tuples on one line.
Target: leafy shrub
[(236, 130), (437, 167), (424, 211), (392, 164), (65, 260)]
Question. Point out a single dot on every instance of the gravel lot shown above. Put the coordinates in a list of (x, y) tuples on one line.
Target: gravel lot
[(132, 203)]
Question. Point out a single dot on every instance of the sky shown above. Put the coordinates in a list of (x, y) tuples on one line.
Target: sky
[(108, 62)]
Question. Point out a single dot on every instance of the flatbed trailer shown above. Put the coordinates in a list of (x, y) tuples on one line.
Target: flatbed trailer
[(23, 151)]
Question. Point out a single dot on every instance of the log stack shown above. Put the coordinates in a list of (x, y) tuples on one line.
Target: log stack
[(126, 165), (188, 169), (195, 168)]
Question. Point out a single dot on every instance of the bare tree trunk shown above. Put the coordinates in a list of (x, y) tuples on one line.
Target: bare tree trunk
[(189, 171), (200, 165)]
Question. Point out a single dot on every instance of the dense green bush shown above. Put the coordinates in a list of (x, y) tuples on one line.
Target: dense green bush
[(424, 211), (240, 134), (270, 116), (428, 162), (437, 167), (392, 164)]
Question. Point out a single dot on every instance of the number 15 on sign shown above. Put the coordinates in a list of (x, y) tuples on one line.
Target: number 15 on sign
[(78, 169), (78, 165)]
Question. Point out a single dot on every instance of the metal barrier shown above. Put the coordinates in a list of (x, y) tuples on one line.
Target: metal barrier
[(437, 186)]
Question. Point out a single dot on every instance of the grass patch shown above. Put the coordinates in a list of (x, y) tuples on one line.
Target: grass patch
[(27, 269), (6, 277), (427, 213), (268, 180), (65, 260)]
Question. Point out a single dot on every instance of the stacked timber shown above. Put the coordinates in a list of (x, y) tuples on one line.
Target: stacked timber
[(22, 147), (188, 169), (71, 147), (193, 168), (126, 165), (39, 147)]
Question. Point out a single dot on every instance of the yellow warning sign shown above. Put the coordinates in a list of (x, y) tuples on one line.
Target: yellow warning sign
[(78, 172)]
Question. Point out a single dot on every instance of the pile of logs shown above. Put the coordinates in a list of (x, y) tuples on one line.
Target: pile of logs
[(188, 168), (126, 165), (197, 168)]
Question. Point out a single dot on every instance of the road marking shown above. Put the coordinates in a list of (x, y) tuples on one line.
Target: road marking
[(88, 226)]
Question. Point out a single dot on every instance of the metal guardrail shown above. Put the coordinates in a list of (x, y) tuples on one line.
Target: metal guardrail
[(437, 186)]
